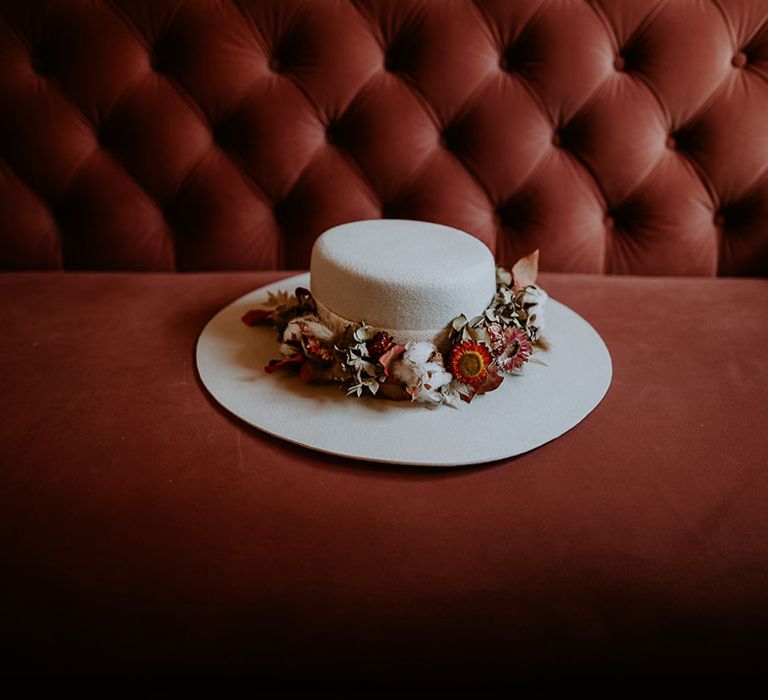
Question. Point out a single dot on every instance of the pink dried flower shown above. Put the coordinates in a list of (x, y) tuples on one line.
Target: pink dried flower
[(496, 336), (512, 348)]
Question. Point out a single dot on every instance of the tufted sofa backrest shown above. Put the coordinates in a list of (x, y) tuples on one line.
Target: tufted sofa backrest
[(619, 136)]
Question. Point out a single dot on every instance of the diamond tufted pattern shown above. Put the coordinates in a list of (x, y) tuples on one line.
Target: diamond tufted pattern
[(617, 136)]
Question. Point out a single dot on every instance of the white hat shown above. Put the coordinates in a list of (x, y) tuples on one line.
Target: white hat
[(405, 282)]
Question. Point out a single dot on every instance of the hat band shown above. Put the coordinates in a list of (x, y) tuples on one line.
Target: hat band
[(438, 337)]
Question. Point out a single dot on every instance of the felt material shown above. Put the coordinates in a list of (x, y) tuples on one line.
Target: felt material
[(147, 531), (437, 336), (402, 275), (556, 396)]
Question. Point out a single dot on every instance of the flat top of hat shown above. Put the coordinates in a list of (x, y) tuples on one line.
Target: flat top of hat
[(401, 274)]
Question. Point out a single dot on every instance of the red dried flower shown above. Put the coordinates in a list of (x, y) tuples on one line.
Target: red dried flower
[(292, 362), (469, 362), (255, 317), (491, 382), (379, 344)]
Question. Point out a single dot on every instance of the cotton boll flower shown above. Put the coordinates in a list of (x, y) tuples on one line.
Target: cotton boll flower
[(436, 374), (433, 379), (291, 337), (403, 372), (311, 326), (314, 337), (420, 368), (292, 332), (419, 353)]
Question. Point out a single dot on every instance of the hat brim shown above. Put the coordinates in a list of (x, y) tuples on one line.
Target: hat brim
[(526, 411)]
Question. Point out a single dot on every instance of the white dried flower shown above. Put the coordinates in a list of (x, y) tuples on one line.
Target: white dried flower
[(421, 370), (364, 332), (432, 382), (311, 325), (419, 353), (361, 365), (292, 332), (371, 385)]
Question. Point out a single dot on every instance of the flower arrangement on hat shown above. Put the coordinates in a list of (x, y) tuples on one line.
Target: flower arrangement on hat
[(479, 352)]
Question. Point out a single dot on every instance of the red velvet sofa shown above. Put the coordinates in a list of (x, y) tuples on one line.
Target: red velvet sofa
[(147, 533)]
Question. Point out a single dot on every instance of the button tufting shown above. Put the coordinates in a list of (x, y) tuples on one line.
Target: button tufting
[(395, 54), (503, 216), (101, 136), (427, 142), (508, 60), (389, 210), (220, 134), (450, 138), (168, 213), (281, 211), (332, 133), (514, 57), (156, 62), (37, 63)]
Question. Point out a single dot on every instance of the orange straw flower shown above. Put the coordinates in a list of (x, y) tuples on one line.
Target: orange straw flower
[(469, 362)]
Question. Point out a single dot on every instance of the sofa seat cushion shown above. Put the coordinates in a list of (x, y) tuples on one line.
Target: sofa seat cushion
[(147, 531)]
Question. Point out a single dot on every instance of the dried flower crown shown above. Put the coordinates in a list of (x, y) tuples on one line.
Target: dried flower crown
[(479, 352)]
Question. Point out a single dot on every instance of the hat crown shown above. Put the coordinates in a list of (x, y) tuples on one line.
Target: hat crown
[(400, 274)]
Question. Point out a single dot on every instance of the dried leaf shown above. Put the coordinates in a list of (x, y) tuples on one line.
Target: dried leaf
[(304, 297), (525, 270), (459, 322), (480, 335), (476, 321), (319, 330)]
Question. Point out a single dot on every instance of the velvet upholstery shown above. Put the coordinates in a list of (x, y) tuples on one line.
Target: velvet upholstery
[(624, 136), (146, 531), (146, 534)]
